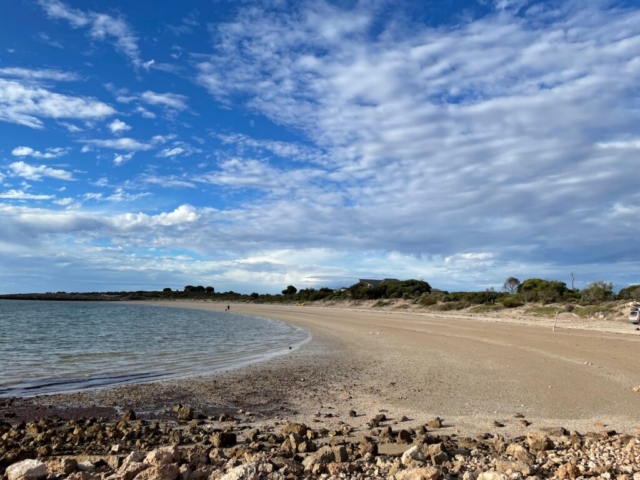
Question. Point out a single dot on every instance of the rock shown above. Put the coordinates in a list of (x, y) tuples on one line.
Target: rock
[(403, 437), (340, 454), (26, 470), (519, 453), (435, 424), (495, 423), (131, 470), (297, 428), (129, 416), (243, 472), (505, 466), (538, 442), (185, 414), (568, 471), (167, 471), (163, 456), (491, 475), (439, 458), (352, 413), (424, 473), (223, 439), (323, 456), (414, 454), (86, 466), (81, 476)]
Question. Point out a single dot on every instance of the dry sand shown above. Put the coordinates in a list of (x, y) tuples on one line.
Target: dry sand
[(470, 371)]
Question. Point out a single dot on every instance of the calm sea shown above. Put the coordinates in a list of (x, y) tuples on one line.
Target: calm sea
[(51, 347)]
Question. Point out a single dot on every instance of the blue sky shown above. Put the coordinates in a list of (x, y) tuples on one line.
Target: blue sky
[(250, 145)]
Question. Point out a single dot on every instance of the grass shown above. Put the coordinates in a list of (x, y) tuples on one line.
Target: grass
[(592, 310), (381, 303), (487, 307), (448, 306), (543, 311), (404, 306)]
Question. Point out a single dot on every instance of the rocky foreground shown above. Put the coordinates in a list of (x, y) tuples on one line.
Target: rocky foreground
[(230, 447)]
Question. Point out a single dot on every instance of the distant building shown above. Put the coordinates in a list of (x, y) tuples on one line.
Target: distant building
[(374, 283)]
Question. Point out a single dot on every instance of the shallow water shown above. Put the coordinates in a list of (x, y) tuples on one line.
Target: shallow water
[(53, 347)]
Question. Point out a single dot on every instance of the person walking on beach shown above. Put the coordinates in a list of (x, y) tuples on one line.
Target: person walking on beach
[(228, 308)]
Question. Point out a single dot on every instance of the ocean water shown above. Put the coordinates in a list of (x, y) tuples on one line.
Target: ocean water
[(53, 347)]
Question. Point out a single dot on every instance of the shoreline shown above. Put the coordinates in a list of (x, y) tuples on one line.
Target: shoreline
[(486, 380)]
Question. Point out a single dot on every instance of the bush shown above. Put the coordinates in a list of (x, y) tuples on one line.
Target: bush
[(632, 292), (544, 291), (445, 307), (426, 300), (381, 303), (569, 308), (511, 302), (487, 307), (597, 292)]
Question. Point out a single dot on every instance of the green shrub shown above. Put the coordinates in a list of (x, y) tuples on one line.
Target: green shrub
[(597, 292), (569, 308), (381, 303), (404, 306), (487, 307), (511, 302), (426, 300), (445, 307)]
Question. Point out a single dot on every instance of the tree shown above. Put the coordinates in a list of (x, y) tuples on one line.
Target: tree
[(166, 290), (597, 292), (511, 285), (209, 290), (290, 290)]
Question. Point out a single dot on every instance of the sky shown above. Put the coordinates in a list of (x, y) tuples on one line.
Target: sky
[(250, 145)]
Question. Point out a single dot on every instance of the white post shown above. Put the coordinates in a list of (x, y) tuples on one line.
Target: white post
[(556, 321)]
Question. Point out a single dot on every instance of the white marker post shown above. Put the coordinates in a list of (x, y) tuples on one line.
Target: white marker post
[(556, 321)]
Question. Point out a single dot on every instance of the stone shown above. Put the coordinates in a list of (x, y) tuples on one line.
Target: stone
[(323, 456), (424, 473), (340, 453), (86, 466), (435, 424), (506, 466), (568, 471), (223, 439), (163, 456), (539, 442), (26, 470), (352, 413), (129, 416), (131, 470), (492, 475), (297, 428), (519, 453), (243, 472), (403, 437), (185, 414), (168, 471), (67, 466), (414, 454)]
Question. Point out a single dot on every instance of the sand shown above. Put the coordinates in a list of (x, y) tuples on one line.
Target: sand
[(468, 370)]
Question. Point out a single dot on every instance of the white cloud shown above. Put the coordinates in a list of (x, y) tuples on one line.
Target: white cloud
[(118, 126), (171, 100), (27, 105), (145, 113), (30, 152), (65, 202), (30, 172), (167, 182), (21, 195), (123, 143), (631, 144), (101, 27), (171, 152), (119, 159), (38, 74), (71, 127)]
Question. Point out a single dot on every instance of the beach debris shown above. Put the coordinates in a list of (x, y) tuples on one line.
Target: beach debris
[(435, 424), (636, 389), (27, 470), (497, 424), (352, 413), (185, 414)]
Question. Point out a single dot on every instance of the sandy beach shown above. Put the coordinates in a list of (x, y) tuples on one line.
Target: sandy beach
[(471, 372), (487, 378)]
